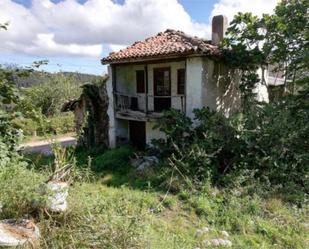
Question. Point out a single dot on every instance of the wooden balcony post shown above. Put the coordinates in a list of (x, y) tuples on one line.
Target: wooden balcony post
[(182, 105), (113, 71), (146, 88)]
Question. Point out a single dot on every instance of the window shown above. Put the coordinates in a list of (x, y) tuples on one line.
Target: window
[(162, 88), (162, 81), (181, 80), (140, 81)]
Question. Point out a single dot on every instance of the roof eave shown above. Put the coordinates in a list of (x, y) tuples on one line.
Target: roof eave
[(105, 61)]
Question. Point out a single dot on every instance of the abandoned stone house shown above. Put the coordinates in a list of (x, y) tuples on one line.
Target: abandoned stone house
[(169, 70)]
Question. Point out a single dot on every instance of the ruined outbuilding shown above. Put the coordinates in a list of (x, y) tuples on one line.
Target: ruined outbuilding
[(90, 112)]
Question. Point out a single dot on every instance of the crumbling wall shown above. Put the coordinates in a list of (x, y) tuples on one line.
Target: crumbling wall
[(90, 111), (96, 104)]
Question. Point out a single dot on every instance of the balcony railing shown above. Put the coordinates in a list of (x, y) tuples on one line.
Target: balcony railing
[(147, 104)]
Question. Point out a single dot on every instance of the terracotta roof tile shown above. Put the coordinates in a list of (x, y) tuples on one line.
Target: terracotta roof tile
[(164, 44)]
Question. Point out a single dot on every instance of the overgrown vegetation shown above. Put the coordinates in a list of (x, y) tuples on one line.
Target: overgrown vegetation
[(17, 191), (118, 210), (94, 124), (40, 98), (247, 174), (41, 105), (266, 145), (9, 97), (280, 39), (49, 96)]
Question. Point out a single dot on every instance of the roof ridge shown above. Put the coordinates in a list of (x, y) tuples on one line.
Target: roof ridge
[(190, 38), (169, 42)]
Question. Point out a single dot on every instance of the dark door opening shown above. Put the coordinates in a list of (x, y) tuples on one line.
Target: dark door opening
[(138, 134), (162, 89)]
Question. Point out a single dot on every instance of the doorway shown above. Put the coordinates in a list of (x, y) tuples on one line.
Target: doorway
[(137, 131), (162, 89)]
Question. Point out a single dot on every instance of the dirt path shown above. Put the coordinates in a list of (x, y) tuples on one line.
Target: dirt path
[(44, 146)]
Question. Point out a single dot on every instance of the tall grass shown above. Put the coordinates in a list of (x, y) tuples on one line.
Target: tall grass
[(127, 216)]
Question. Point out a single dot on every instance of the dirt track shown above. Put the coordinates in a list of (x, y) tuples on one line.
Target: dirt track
[(44, 146)]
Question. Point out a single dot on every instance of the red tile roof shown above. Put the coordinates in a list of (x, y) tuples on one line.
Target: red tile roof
[(165, 44)]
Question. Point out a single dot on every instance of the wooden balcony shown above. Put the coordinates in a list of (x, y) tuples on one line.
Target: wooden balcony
[(145, 107)]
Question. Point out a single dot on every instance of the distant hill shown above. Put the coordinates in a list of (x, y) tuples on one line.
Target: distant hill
[(38, 77)]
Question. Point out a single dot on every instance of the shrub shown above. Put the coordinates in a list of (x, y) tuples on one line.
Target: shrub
[(59, 124), (275, 138), (115, 159), (27, 125), (269, 145), (49, 96), (19, 188), (202, 150), (41, 105), (177, 128), (99, 217), (9, 98)]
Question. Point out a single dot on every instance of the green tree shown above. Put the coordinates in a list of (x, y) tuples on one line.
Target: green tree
[(266, 145), (9, 97), (280, 39), (49, 96)]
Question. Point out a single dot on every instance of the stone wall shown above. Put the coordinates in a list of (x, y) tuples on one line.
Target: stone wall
[(91, 114)]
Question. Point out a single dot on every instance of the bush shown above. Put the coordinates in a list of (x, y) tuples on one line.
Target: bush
[(19, 189), (115, 159), (275, 143), (59, 124), (99, 217), (49, 96), (269, 145), (177, 128), (200, 150), (41, 106), (27, 125)]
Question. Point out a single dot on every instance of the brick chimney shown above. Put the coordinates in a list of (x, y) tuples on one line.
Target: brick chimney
[(219, 27)]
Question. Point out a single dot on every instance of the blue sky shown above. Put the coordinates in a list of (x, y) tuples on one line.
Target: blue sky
[(74, 34)]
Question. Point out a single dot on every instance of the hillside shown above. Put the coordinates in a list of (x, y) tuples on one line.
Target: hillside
[(38, 77)]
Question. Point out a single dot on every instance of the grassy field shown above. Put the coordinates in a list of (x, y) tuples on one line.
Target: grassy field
[(116, 208), (109, 217)]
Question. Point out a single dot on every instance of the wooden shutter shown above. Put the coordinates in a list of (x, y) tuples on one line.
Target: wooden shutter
[(140, 81), (181, 81)]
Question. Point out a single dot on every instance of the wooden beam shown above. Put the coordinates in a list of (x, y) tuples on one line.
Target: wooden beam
[(185, 90), (113, 71), (146, 88), (149, 61), (114, 77)]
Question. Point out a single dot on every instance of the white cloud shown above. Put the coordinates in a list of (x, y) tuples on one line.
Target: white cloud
[(99, 21), (28, 35), (231, 7), (45, 44), (23, 25), (71, 28), (116, 47)]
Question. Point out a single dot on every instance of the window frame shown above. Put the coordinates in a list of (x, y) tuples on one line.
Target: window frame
[(160, 70)]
